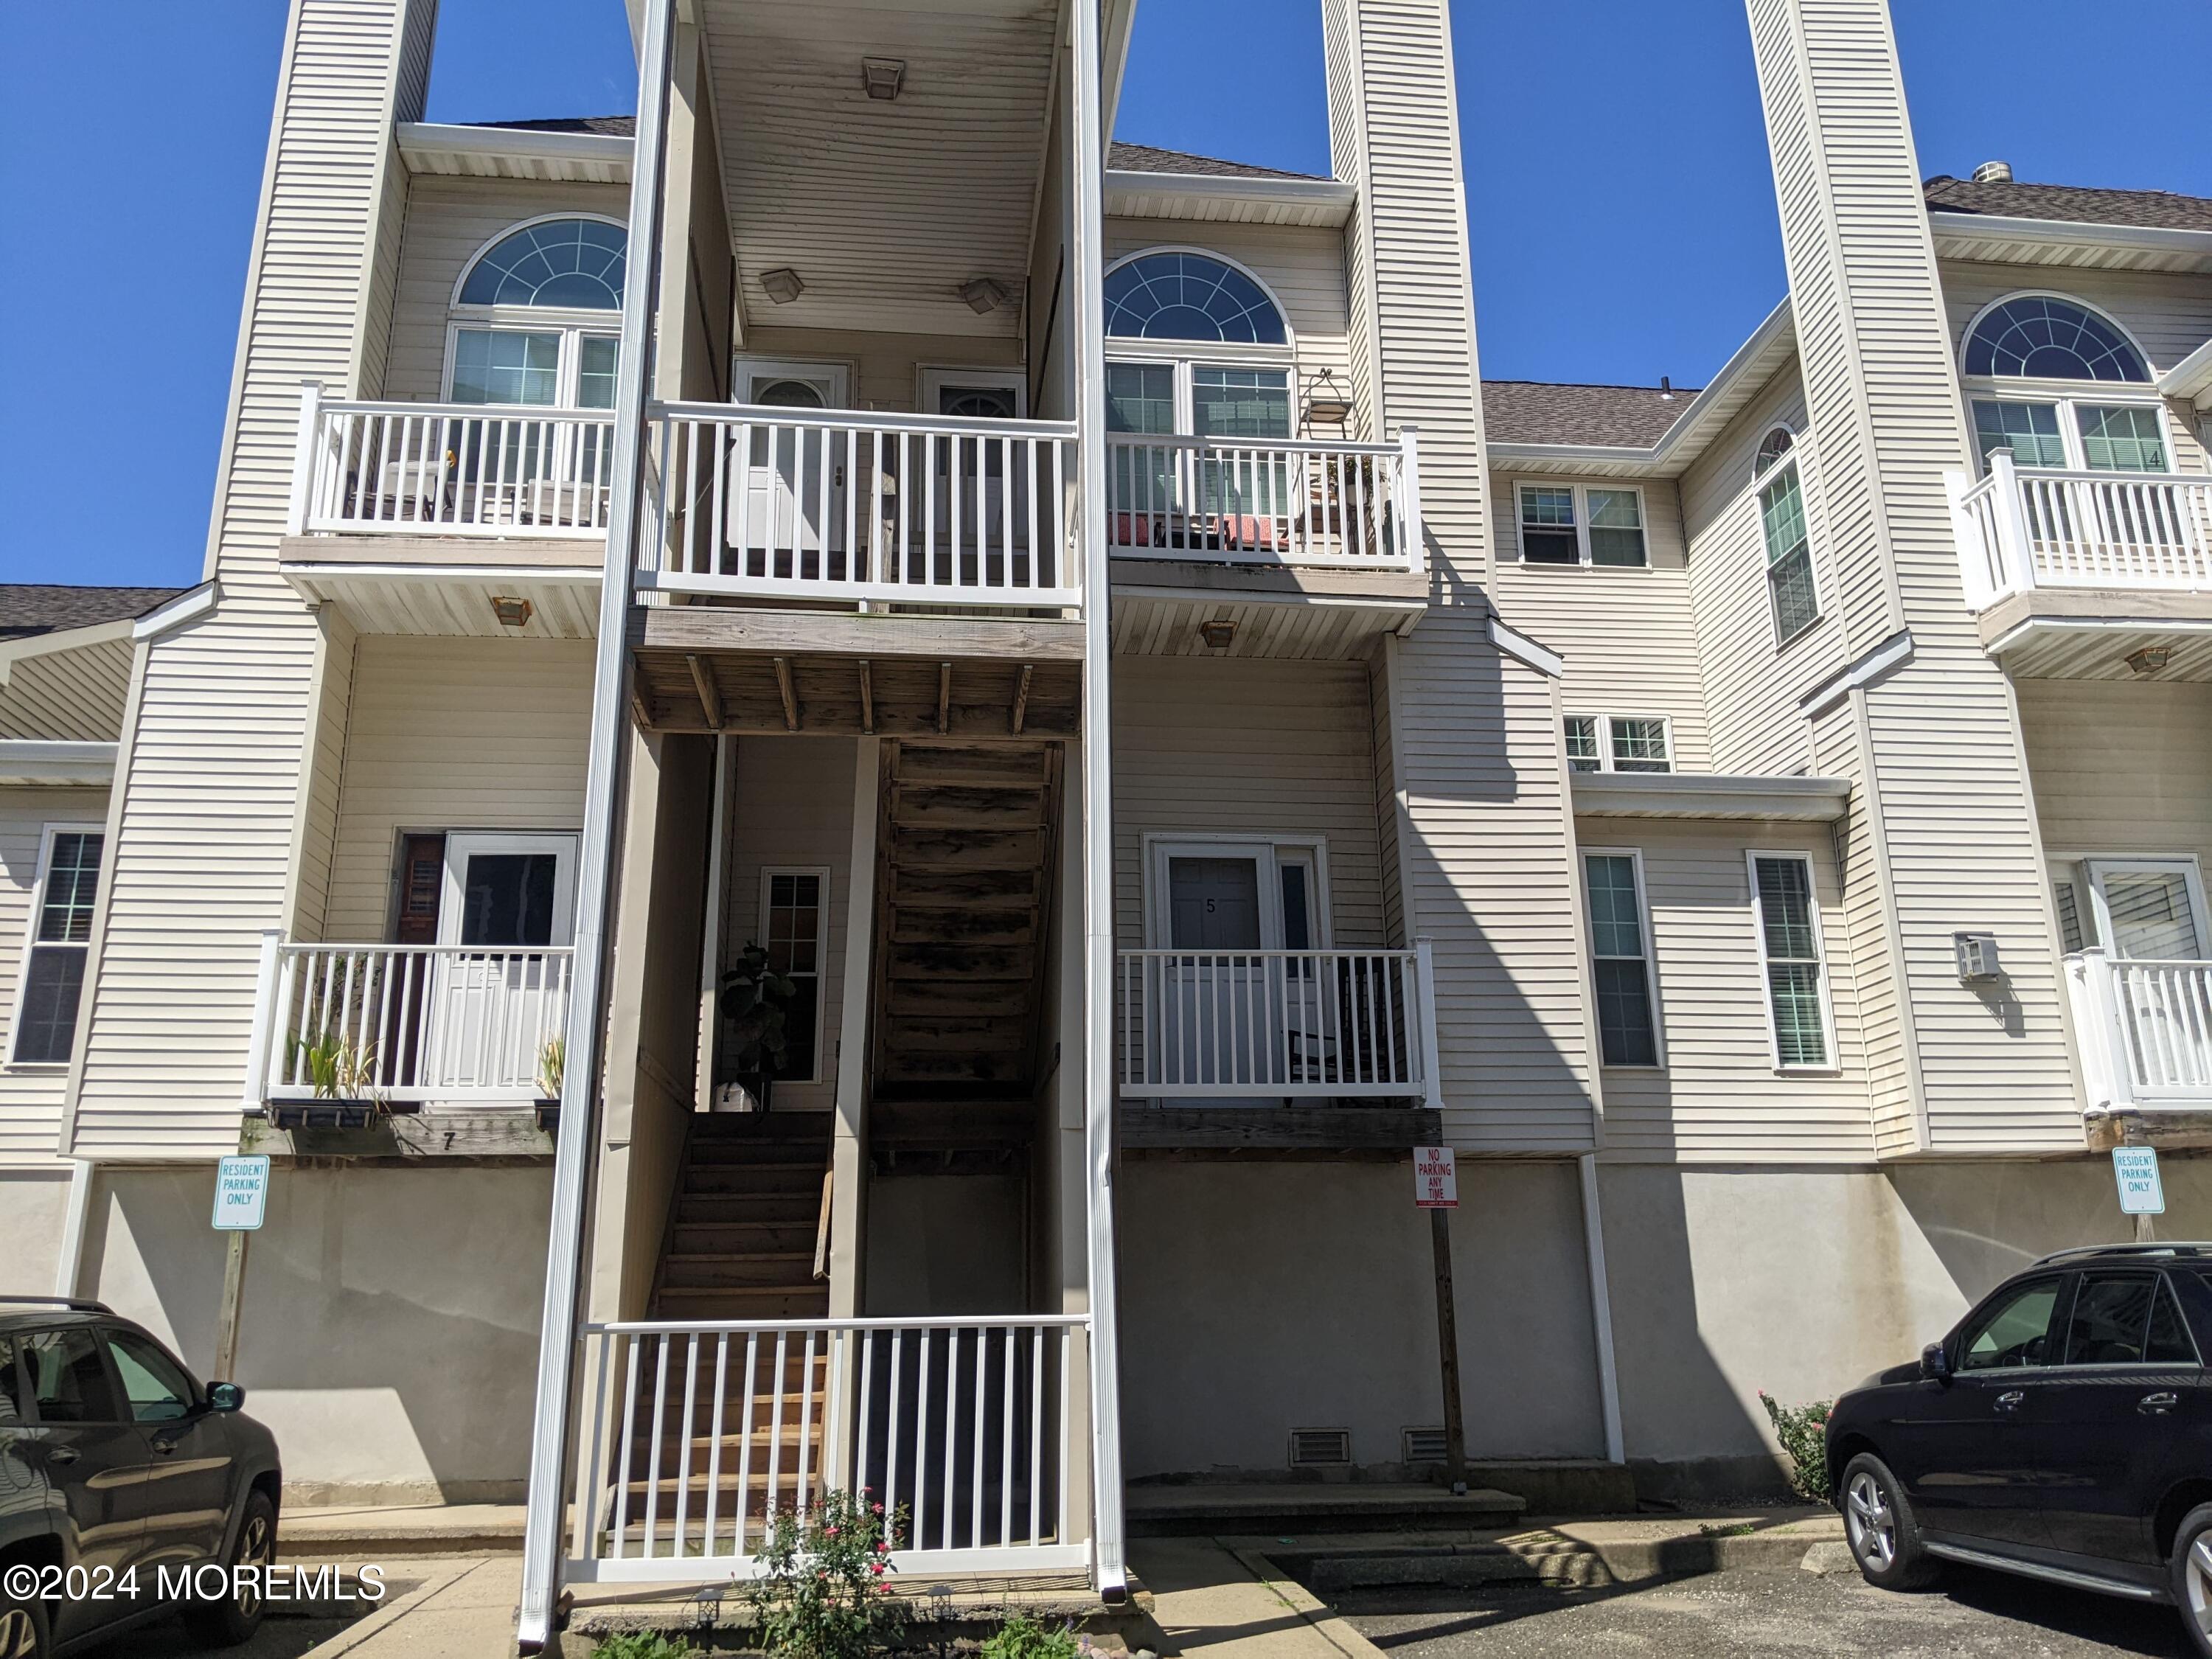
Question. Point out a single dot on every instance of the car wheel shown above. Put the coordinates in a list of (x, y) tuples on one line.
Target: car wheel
[(2192, 1576), (226, 1623), (23, 1628), (1883, 1533)]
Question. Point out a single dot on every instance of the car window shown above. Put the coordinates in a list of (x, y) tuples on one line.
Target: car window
[(67, 1381), (2125, 1319), (156, 1387), (11, 1383), (2013, 1330)]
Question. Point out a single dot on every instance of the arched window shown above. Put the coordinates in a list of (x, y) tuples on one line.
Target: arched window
[(569, 265), (1793, 595), (2039, 337), (533, 319), (2047, 337), (1189, 297), (1774, 446)]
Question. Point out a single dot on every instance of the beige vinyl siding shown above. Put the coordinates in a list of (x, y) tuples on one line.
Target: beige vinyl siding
[(1347, 146), (1302, 265), (1719, 1097), (1388, 812), (320, 800), (449, 222), (886, 368), (384, 274), (30, 1096), (1629, 637), (794, 810), (199, 865), (1284, 750), (2169, 315), (1752, 685), (74, 696), (2120, 768), (453, 734)]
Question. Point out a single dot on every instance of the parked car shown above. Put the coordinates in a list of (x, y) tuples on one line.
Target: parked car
[(2062, 1431), (113, 1457)]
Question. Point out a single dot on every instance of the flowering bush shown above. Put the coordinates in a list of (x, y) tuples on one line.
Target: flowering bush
[(1803, 1432), (826, 1594)]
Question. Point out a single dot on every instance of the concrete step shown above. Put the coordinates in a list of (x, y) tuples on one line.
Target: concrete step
[(364, 1533), (1293, 1506)]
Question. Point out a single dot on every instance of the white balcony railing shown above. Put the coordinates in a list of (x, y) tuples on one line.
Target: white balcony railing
[(406, 1024), (2022, 528), (1265, 1025), (695, 1434), (1296, 501), (833, 504), (450, 469), (2145, 1030)]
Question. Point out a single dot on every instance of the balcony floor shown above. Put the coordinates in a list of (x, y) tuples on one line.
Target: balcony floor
[(2088, 633)]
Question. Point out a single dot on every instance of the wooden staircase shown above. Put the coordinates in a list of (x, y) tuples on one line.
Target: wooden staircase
[(741, 1241)]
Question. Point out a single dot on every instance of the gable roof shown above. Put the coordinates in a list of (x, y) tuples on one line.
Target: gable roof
[(1550, 412), (2149, 209), (29, 609), (609, 126), (1144, 158)]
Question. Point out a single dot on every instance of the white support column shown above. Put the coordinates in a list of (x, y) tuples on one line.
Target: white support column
[(70, 1268), (543, 1530), (1086, 324), (849, 1148), (1433, 1068), (258, 1035), (303, 458), (710, 948), (1608, 1375)]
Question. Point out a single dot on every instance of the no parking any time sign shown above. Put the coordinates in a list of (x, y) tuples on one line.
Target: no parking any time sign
[(1435, 1179)]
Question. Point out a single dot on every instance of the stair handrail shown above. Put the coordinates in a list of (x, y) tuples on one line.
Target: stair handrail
[(822, 1228)]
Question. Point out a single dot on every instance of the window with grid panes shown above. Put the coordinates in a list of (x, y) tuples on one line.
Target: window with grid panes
[(1581, 744), (1548, 535), (1795, 600), (61, 936), (1620, 961), (793, 922), (1640, 745), (1788, 937)]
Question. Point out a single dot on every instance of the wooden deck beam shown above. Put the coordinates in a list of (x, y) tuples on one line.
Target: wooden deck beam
[(704, 627)]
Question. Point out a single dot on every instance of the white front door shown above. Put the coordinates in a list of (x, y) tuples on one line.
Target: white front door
[(971, 507), (787, 497), (497, 1001)]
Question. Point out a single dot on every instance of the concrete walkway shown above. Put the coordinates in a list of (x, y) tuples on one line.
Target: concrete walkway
[(460, 1608), (1230, 1604)]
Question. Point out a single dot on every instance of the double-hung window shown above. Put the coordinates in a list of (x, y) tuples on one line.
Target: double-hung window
[(1621, 958), (1787, 918), (2061, 386), (795, 930), (1618, 743), (60, 939), (1582, 523), (1792, 594)]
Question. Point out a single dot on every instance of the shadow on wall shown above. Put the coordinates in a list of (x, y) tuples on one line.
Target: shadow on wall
[(389, 1331)]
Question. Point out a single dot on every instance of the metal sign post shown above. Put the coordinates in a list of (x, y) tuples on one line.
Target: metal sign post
[(1436, 1189), (242, 1201), (2143, 1194)]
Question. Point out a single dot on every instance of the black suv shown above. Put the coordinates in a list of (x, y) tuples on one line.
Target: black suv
[(114, 1465), (2063, 1429)]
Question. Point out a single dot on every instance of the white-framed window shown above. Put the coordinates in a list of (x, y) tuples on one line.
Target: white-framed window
[(1793, 594), (1620, 958), (1196, 345), (791, 382), (2148, 907), (1619, 743), (1582, 524), (2061, 386), (795, 931), (1786, 918), (49, 984), (536, 318), (987, 394)]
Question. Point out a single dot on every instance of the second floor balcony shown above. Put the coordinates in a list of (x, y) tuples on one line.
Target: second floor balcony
[(2145, 1029)]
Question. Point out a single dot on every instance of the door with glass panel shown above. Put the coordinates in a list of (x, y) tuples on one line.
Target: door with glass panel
[(2150, 917), (1237, 1008), (497, 998), (789, 492), (976, 508)]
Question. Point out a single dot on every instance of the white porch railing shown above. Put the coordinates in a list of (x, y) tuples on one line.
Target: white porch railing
[(839, 505), (2021, 528), (2145, 1030), (1279, 1024), (413, 1022), (450, 469), (695, 1434), (1296, 501)]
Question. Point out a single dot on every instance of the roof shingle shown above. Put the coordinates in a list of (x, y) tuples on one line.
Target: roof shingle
[(2149, 209), (35, 608), (1144, 158), (1548, 412), (612, 126)]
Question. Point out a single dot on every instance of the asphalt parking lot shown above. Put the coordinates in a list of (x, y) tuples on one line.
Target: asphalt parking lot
[(1751, 1614)]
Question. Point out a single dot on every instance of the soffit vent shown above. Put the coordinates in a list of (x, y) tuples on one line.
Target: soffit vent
[(1424, 1446), (1315, 1447)]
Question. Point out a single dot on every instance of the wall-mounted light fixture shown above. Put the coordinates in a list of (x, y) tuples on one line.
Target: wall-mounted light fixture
[(1327, 401), (1219, 634), (782, 284), (2150, 659), (511, 612), (982, 294), (884, 77), (1978, 956)]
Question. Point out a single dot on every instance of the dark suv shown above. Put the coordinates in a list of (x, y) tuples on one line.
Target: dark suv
[(2063, 1429), (115, 1465)]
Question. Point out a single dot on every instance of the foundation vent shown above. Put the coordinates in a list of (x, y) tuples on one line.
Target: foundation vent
[(1320, 1448), (1424, 1446)]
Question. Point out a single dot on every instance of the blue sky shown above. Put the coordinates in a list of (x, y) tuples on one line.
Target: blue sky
[(1623, 220)]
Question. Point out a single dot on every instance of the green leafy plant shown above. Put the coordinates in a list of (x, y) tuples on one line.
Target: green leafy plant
[(552, 1067), (754, 996), (336, 1069), (1022, 1637), (1802, 1431), (1728, 1529), (826, 1594), (643, 1644)]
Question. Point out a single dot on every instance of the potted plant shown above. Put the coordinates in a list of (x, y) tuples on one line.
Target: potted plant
[(753, 1001), (341, 1072), (552, 1067)]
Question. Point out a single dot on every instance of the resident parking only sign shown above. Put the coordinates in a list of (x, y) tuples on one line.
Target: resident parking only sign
[(241, 1193), (1436, 1180), (2135, 1167)]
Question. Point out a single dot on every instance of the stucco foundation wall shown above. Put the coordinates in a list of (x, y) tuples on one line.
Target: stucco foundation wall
[(31, 1204), (1260, 1297), (389, 1331), (1802, 1282)]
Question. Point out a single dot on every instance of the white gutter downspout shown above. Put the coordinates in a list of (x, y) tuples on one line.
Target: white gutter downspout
[(1608, 1375), (1109, 1569), (580, 1084), (69, 1271)]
